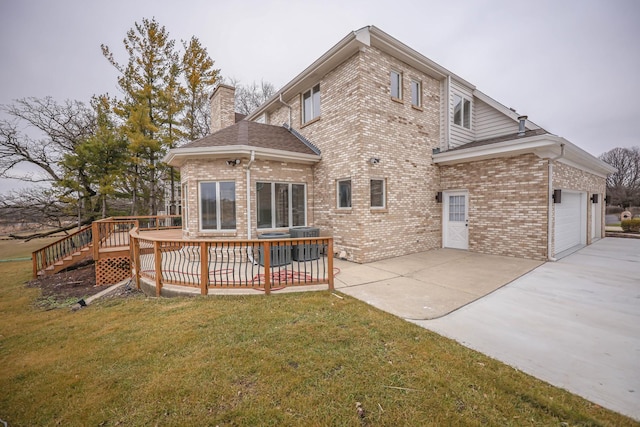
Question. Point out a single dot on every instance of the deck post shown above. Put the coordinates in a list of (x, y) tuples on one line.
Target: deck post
[(204, 268), (266, 252), (95, 232), (34, 259), (330, 263), (158, 258), (136, 258)]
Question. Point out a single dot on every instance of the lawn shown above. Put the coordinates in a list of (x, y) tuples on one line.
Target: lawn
[(302, 359)]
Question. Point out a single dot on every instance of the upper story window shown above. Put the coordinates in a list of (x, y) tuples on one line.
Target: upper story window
[(311, 104), (396, 84), (280, 205), (461, 111), (344, 193), (416, 93), (217, 205)]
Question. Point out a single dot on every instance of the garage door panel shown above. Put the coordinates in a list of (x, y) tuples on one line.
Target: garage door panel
[(568, 222)]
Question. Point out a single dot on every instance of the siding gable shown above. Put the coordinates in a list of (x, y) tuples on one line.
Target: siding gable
[(489, 122)]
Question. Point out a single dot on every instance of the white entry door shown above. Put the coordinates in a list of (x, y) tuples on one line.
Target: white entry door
[(455, 232)]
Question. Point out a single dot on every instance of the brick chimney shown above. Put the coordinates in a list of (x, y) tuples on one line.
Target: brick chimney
[(222, 108)]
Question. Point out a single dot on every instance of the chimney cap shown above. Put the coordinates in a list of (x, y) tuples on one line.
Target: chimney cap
[(523, 117)]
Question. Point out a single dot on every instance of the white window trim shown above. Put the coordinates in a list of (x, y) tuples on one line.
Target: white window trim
[(338, 194), (314, 115), (218, 228), (272, 184), (384, 194), (185, 205), (453, 111), (399, 74), (419, 92)]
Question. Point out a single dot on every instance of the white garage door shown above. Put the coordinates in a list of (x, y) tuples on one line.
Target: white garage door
[(570, 222)]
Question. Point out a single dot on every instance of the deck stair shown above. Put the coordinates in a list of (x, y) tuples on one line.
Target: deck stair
[(64, 253)]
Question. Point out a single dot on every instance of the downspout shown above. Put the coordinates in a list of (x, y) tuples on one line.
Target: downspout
[(551, 160), (286, 105), (248, 167)]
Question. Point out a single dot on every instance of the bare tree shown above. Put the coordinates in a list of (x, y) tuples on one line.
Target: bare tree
[(64, 125), (251, 96), (623, 186)]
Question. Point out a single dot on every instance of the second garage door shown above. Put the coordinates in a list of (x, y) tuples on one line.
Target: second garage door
[(570, 219)]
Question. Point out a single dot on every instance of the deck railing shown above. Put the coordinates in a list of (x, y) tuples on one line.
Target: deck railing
[(61, 249), (261, 264), (114, 232)]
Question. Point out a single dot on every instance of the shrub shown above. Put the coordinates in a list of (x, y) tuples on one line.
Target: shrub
[(631, 225)]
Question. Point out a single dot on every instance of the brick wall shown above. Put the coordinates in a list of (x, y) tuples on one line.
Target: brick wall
[(508, 204), (222, 108), (358, 121)]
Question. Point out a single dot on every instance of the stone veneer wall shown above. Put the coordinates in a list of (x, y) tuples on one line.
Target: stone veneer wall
[(358, 121), (508, 204), (567, 177), (196, 171)]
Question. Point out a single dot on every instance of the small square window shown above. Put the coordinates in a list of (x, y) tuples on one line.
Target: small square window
[(311, 104), (378, 196), (396, 85), (344, 193), (416, 93)]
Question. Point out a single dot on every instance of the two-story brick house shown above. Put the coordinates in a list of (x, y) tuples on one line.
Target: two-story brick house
[(389, 153)]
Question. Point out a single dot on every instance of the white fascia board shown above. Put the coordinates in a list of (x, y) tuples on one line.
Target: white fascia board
[(177, 156), (534, 144), (578, 158), (544, 146), (331, 59), (503, 109)]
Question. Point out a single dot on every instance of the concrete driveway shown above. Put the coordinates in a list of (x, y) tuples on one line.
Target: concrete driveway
[(429, 284), (574, 323)]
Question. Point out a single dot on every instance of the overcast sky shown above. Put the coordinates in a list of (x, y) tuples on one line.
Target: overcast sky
[(573, 66)]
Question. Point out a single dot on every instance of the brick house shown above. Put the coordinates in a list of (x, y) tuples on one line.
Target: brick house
[(389, 153)]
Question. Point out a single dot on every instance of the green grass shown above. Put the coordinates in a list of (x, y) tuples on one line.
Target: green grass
[(291, 359)]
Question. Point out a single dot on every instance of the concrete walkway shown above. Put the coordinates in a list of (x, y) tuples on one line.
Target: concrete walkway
[(429, 284), (574, 323)]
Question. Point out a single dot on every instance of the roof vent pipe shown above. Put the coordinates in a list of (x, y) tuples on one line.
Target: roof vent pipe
[(521, 128)]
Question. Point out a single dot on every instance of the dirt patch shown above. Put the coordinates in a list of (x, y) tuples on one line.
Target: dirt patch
[(76, 283)]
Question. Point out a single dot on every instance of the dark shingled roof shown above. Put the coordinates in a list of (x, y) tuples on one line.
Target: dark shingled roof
[(497, 139), (239, 116), (258, 135)]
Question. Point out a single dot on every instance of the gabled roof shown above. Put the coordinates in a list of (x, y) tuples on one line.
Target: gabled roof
[(245, 137), (345, 48)]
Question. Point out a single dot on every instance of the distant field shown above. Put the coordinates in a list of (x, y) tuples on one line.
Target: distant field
[(11, 248)]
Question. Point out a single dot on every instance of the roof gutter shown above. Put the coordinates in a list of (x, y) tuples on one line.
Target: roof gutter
[(176, 157)]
